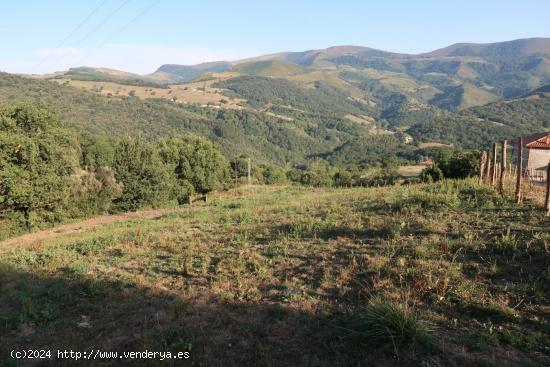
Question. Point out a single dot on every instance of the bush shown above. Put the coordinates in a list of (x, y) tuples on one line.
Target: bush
[(458, 163), (431, 174), (273, 175), (342, 179), (94, 191), (380, 177)]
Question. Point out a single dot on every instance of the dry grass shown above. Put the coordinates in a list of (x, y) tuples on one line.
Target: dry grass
[(195, 92), (283, 276), (433, 145), (411, 170)]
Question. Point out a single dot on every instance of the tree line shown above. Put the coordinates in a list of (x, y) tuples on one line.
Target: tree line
[(50, 172)]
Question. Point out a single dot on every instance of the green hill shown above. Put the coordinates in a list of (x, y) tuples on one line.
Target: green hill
[(265, 137), (478, 126), (107, 75), (171, 73), (522, 47), (273, 68)]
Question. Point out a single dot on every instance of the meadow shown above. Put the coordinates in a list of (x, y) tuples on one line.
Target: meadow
[(442, 274)]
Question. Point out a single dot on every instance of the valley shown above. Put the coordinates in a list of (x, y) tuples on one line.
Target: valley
[(307, 208)]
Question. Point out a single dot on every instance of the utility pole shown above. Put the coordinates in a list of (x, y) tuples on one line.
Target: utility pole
[(249, 161)]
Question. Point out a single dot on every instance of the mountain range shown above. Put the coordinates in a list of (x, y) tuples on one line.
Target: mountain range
[(455, 77), (290, 107)]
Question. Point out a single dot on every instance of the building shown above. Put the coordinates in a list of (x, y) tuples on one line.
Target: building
[(536, 154), (403, 137)]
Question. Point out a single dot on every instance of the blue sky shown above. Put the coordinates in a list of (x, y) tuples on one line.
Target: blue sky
[(140, 35)]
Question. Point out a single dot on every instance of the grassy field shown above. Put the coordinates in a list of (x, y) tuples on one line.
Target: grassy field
[(447, 274), (192, 92), (411, 170)]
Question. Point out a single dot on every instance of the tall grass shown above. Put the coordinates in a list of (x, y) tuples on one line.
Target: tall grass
[(391, 325)]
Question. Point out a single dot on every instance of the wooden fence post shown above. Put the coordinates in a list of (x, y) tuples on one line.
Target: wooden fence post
[(547, 201), (494, 166), (482, 163), (503, 168), (519, 172), (488, 168)]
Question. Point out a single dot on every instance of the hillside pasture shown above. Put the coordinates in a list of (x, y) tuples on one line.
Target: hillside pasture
[(447, 274), (193, 92)]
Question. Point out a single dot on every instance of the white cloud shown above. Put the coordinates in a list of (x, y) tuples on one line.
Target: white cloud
[(137, 58)]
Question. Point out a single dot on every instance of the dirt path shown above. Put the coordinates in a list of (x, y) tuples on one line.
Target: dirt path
[(87, 224)]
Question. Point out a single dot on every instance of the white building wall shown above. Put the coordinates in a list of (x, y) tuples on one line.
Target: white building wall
[(536, 162)]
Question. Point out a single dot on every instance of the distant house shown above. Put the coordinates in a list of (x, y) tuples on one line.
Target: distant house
[(536, 154), (404, 138)]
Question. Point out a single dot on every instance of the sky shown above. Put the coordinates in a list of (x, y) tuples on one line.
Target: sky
[(38, 36)]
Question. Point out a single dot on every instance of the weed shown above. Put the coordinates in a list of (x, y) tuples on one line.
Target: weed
[(90, 246), (391, 326)]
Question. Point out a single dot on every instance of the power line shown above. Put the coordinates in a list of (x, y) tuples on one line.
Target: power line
[(121, 29), (93, 30), (72, 33)]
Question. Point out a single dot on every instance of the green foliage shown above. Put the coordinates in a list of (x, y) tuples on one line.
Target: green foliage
[(453, 164), (342, 179), (96, 150), (266, 138), (260, 91), (273, 175), (37, 158), (477, 127), (49, 173), (94, 190), (147, 179), (317, 174), (92, 74), (379, 176), (528, 115), (197, 164), (370, 150), (431, 174), (91, 246)]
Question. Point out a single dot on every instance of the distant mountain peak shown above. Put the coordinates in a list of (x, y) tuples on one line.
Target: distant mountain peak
[(523, 46)]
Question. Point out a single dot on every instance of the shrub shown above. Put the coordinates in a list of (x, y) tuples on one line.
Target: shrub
[(342, 179), (273, 175), (431, 174), (94, 190), (455, 164)]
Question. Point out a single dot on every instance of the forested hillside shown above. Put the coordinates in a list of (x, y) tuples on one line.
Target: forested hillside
[(286, 123), (267, 138)]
